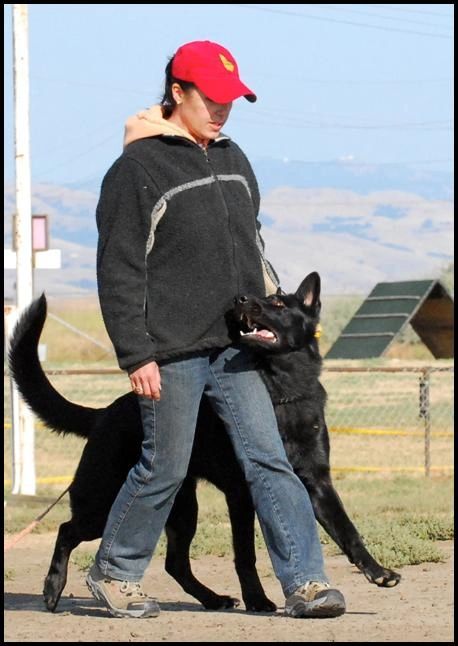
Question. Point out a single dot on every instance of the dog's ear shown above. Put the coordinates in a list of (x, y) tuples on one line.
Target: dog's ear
[(309, 290)]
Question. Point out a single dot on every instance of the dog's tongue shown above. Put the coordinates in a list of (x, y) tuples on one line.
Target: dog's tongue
[(267, 334)]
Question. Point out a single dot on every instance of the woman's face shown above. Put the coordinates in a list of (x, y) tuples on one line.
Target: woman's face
[(198, 115)]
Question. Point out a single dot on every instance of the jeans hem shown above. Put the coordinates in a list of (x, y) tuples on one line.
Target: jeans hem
[(118, 575)]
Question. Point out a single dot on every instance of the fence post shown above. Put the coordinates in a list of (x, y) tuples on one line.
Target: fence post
[(425, 412)]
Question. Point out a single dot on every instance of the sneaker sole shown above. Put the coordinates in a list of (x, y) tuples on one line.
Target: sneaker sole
[(152, 611), (332, 605)]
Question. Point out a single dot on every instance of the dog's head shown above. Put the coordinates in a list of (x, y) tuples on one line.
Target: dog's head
[(281, 322)]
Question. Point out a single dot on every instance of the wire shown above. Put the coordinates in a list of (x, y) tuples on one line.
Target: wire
[(71, 159), (395, 7), (344, 22), (98, 86), (373, 15), (296, 122), (363, 164), (281, 111), (449, 81)]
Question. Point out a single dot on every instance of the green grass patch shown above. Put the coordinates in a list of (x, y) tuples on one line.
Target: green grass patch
[(20, 511), (82, 560), (395, 543), (8, 575), (400, 519)]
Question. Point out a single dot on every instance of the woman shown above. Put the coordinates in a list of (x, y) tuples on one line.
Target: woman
[(178, 240)]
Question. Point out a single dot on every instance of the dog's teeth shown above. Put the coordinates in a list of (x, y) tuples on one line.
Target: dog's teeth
[(263, 333), (248, 333)]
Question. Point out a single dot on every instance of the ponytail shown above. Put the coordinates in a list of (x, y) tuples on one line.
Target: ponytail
[(168, 103)]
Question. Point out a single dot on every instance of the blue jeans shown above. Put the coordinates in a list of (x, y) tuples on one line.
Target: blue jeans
[(237, 393)]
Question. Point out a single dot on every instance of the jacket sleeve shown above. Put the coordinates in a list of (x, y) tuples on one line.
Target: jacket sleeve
[(126, 199)]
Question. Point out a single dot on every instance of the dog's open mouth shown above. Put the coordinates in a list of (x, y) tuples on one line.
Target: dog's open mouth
[(255, 330)]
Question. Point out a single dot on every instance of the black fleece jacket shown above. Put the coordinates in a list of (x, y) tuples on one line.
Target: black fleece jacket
[(178, 240)]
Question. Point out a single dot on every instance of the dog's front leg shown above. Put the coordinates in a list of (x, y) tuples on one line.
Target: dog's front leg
[(331, 514), (57, 576), (241, 513), (180, 530)]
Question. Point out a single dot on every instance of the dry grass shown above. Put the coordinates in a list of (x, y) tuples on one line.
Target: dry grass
[(383, 502), (64, 345), (84, 313), (358, 404), (366, 422)]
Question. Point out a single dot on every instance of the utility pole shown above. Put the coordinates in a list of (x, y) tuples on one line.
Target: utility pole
[(23, 422)]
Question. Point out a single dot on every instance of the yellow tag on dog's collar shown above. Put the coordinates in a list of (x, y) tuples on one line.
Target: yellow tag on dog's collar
[(318, 331)]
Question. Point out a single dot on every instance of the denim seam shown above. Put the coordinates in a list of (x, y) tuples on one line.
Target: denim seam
[(265, 484), (132, 499), (153, 448), (116, 529)]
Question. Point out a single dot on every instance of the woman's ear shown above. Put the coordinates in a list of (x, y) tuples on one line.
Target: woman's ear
[(177, 93)]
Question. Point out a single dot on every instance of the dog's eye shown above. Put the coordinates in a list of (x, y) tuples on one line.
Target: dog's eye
[(276, 302)]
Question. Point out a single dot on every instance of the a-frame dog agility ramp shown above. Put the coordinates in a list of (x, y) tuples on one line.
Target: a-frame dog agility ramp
[(425, 304)]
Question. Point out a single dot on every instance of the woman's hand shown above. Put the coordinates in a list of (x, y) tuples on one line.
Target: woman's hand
[(146, 381)]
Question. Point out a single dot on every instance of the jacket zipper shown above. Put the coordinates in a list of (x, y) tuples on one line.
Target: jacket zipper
[(228, 217)]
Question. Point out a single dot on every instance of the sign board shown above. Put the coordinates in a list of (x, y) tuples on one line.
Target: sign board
[(50, 259)]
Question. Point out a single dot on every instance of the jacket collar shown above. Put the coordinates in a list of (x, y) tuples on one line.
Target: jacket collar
[(151, 123)]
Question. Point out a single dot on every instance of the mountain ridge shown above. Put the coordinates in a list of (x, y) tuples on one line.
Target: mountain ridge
[(356, 223)]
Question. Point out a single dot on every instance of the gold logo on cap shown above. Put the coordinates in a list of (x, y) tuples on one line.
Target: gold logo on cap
[(227, 64)]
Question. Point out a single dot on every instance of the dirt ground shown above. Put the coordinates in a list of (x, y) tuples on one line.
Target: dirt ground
[(420, 609)]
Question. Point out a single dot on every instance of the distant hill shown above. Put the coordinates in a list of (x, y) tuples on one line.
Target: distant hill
[(357, 224), (352, 175)]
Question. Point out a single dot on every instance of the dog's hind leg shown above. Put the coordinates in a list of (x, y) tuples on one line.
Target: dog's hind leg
[(180, 530), (241, 513), (67, 540), (331, 514)]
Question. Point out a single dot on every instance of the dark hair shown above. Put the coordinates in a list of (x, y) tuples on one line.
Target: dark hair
[(168, 103)]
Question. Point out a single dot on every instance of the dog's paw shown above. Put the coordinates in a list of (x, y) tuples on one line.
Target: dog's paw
[(52, 591), (385, 578), (50, 601), (260, 604), (220, 602)]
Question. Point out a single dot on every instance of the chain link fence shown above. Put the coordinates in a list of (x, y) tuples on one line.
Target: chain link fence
[(381, 420), (394, 418)]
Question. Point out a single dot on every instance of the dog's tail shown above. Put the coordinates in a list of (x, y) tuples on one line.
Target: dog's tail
[(53, 409)]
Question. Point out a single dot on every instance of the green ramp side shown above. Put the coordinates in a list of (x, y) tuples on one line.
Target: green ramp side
[(424, 304)]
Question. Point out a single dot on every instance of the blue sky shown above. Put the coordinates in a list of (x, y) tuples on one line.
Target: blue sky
[(368, 86), (368, 82)]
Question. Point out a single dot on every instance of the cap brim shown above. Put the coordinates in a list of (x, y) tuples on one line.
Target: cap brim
[(225, 90), (251, 97)]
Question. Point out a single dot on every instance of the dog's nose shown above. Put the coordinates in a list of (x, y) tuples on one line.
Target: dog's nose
[(240, 299)]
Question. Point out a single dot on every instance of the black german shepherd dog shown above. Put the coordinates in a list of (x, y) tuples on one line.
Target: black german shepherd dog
[(282, 329)]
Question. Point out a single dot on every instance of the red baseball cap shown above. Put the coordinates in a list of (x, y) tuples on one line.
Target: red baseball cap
[(212, 69)]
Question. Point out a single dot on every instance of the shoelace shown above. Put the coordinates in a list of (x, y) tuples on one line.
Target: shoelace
[(313, 586), (132, 588)]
